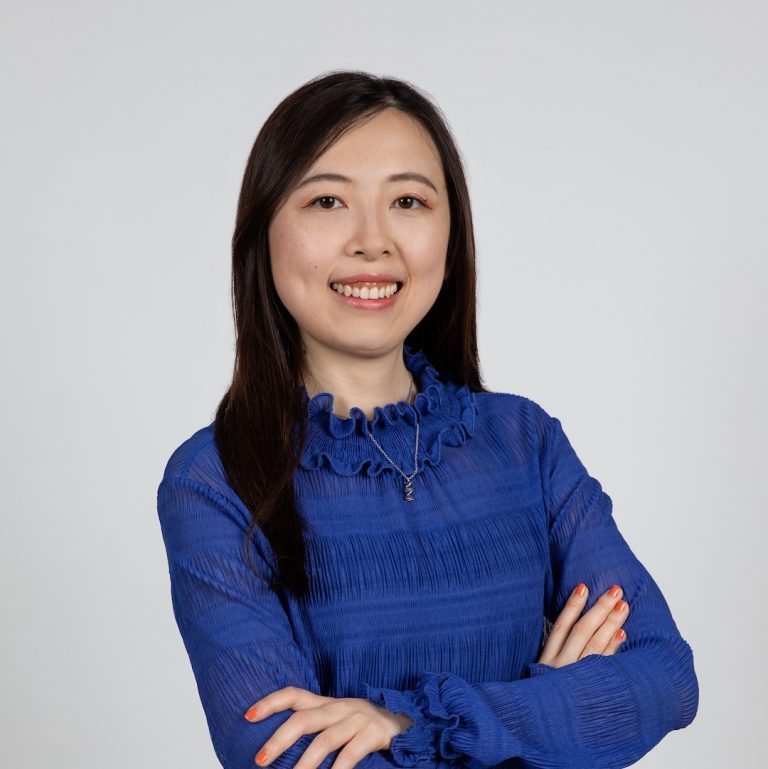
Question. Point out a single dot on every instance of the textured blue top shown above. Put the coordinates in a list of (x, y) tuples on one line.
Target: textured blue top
[(437, 607)]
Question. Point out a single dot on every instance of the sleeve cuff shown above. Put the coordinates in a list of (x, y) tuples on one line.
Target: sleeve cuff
[(536, 669), (422, 741)]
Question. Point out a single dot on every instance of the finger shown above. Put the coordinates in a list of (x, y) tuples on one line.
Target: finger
[(585, 628), (330, 739), (568, 616), (289, 697), (617, 639), (306, 721), (357, 749), (603, 636)]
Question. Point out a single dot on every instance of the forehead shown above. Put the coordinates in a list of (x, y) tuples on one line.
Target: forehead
[(390, 139)]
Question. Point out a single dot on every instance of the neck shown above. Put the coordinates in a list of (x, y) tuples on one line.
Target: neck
[(358, 380)]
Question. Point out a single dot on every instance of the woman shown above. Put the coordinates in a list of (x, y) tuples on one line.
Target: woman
[(367, 548)]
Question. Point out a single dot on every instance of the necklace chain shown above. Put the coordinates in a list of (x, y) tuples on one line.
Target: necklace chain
[(408, 488)]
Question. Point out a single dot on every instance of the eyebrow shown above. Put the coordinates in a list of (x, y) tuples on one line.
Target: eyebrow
[(405, 176)]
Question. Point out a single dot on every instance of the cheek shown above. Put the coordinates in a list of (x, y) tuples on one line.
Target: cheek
[(430, 261), (292, 257), (430, 246)]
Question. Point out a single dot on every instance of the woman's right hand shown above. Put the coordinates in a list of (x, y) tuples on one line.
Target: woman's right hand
[(599, 631)]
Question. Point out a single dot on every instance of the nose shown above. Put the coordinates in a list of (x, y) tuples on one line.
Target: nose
[(370, 235)]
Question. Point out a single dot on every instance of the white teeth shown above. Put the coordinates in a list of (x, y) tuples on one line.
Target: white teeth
[(365, 292)]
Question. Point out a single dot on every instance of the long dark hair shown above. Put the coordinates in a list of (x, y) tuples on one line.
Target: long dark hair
[(255, 424)]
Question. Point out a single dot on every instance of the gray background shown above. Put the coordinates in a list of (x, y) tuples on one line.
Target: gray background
[(616, 155)]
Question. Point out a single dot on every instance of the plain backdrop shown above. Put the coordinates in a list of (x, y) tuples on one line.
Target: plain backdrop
[(617, 162)]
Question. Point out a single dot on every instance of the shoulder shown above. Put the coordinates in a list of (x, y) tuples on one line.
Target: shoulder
[(186, 458), (513, 414), (512, 427), (195, 463), (195, 501), (196, 504)]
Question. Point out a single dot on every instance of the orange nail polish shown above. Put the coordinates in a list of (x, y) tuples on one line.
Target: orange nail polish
[(262, 756), (581, 589), (615, 590), (620, 634), (251, 712), (620, 606)]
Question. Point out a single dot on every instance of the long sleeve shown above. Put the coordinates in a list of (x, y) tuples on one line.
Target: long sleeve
[(235, 630), (601, 711)]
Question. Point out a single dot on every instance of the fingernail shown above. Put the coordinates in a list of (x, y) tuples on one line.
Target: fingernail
[(615, 590), (262, 756), (581, 589), (250, 714), (620, 606), (620, 634)]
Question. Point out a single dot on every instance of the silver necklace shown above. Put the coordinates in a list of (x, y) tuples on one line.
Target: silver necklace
[(408, 488)]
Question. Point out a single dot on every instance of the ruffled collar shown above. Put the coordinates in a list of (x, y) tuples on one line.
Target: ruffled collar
[(445, 412)]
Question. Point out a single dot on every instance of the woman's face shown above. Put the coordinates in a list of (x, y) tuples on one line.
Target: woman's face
[(366, 230)]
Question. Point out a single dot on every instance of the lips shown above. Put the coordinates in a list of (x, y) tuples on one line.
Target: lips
[(369, 277)]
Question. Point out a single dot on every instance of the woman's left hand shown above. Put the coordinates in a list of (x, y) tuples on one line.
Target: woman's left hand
[(356, 723)]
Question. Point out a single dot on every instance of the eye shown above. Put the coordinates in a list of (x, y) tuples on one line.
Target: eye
[(408, 207), (323, 197), (412, 198)]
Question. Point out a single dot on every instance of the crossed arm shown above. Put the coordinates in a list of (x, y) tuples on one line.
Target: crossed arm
[(605, 709)]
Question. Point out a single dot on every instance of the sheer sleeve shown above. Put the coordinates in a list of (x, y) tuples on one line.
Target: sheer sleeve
[(237, 635), (601, 711)]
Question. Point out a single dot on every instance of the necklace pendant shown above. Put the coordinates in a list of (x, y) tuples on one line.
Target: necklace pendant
[(409, 490)]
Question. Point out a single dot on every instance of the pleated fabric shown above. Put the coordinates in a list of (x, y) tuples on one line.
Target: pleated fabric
[(438, 607)]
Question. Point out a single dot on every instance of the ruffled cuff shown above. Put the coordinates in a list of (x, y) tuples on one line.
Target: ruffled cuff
[(536, 669), (427, 738)]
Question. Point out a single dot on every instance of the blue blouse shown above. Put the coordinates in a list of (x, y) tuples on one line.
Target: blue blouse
[(437, 607)]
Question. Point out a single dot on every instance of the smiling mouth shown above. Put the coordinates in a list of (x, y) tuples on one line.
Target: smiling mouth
[(367, 290)]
